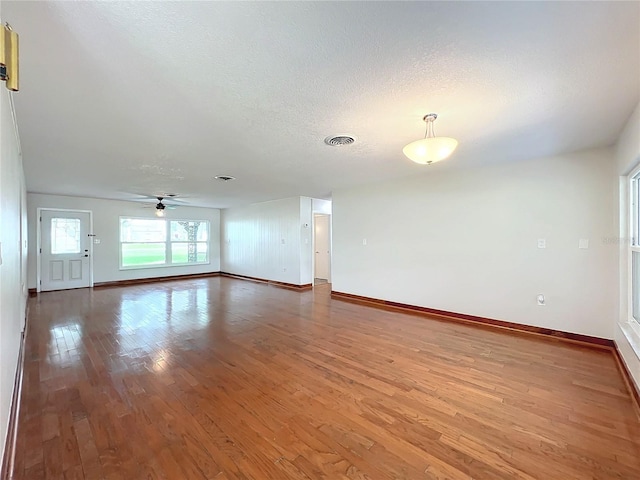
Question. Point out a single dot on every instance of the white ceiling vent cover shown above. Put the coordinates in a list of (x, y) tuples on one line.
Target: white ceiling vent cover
[(339, 140)]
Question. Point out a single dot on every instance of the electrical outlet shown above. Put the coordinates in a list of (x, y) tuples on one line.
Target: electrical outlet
[(364, 241), (540, 299), (542, 243)]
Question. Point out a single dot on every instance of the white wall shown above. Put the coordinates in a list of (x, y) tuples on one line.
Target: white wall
[(106, 215), (466, 241), (269, 240), (627, 157), (321, 206), (13, 293)]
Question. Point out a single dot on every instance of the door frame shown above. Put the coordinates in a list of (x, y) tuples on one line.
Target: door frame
[(39, 242), (313, 246)]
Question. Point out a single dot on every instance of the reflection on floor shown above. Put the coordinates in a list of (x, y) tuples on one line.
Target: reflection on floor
[(227, 379)]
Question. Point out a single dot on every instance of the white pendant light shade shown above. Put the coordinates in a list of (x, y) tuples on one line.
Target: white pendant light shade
[(430, 149)]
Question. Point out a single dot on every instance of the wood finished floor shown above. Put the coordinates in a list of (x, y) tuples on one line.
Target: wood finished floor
[(228, 379)]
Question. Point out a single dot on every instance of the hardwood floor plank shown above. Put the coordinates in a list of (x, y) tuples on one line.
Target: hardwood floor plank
[(219, 378)]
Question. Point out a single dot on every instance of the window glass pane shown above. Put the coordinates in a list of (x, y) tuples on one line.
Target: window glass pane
[(140, 254), (189, 252), (142, 230), (203, 232), (203, 252), (65, 235), (635, 229), (184, 231), (635, 285)]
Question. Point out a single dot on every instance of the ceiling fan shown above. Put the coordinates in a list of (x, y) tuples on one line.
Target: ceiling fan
[(161, 207)]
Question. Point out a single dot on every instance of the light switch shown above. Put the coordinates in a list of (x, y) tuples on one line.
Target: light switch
[(96, 241), (364, 241), (583, 243), (542, 243)]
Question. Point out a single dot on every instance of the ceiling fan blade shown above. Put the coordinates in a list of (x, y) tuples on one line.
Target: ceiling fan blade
[(172, 197)]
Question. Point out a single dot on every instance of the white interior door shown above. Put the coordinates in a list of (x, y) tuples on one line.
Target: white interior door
[(65, 247), (322, 242)]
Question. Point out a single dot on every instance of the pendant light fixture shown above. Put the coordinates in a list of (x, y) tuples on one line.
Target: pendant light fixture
[(430, 149)]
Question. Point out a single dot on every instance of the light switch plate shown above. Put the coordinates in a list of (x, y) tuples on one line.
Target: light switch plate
[(583, 243), (542, 243)]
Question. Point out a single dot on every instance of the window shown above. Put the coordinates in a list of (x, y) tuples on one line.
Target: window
[(634, 246), (146, 242)]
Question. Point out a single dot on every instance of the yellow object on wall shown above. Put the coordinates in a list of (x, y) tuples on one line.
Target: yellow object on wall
[(2, 56), (10, 53)]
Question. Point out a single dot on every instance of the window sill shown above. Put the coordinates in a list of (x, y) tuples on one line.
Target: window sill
[(631, 331), (172, 265)]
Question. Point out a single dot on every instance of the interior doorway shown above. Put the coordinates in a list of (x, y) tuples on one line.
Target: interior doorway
[(322, 248)]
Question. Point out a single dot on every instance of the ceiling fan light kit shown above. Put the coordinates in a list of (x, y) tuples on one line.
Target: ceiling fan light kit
[(430, 149), (160, 208)]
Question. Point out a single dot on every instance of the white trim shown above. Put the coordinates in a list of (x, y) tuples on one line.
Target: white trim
[(631, 331), (313, 247), (633, 242), (39, 241), (630, 244)]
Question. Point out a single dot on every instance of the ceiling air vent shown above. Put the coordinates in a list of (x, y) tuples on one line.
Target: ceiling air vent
[(339, 140)]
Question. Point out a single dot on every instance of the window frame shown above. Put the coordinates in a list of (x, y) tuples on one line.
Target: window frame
[(167, 243), (633, 240)]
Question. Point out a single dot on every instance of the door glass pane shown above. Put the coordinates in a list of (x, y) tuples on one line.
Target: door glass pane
[(635, 285), (65, 235)]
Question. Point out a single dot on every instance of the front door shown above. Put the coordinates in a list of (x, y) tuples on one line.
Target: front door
[(65, 248)]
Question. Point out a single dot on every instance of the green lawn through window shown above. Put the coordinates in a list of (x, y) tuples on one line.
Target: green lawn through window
[(141, 254), (138, 254)]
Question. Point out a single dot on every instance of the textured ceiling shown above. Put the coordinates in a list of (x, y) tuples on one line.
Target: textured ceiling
[(120, 98)]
